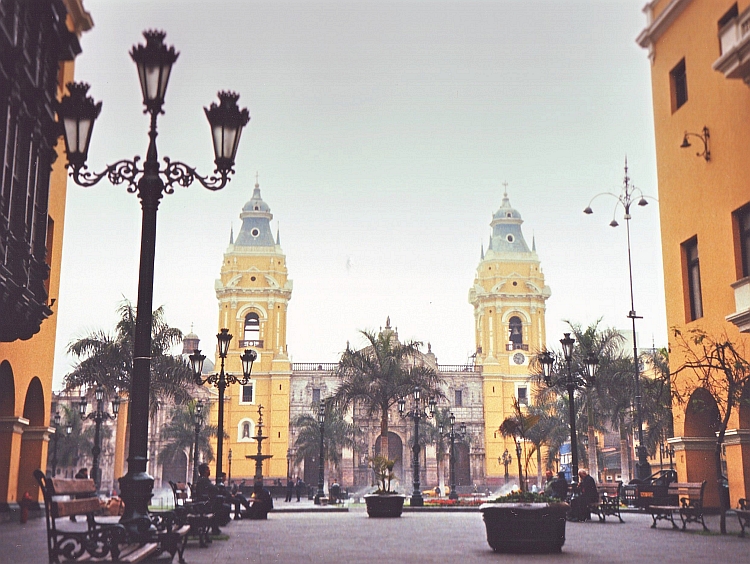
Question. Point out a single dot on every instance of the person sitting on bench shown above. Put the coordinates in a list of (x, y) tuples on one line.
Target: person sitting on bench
[(586, 495)]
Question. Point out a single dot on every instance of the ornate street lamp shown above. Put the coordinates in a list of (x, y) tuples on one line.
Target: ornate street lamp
[(521, 483), (321, 460), (452, 434), (77, 113), (221, 381), (665, 449), (505, 460), (629, 195), (198, 425), (418, 411), (56, 437), (98, 416), (570, 382)]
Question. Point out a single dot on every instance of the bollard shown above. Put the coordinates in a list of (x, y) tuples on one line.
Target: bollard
[(25, 502)]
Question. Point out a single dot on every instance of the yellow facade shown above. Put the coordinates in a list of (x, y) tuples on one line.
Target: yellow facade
[(254, 292), (508, 296), (27, 365), (699, 69)]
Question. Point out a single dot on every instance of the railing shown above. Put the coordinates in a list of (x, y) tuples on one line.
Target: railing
[(251, 343), (459, 368), (314, 366), (516, 347)]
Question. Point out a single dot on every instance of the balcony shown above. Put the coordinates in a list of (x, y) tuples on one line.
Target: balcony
[(516, 347), (247, 343), (734, 38), (741, 317)]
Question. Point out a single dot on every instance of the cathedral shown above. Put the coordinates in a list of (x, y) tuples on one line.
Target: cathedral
[(508, 296)]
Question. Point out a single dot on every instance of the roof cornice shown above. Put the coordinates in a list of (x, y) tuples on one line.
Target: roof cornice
[(657, 27)]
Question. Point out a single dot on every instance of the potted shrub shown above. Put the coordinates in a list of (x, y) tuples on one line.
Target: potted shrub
[(525, 522), (384, 502)]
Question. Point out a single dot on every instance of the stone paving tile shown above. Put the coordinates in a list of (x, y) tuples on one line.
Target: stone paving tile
[(292, 538)]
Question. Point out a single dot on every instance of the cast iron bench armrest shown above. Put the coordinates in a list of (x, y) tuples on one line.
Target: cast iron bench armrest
[(743, 514)]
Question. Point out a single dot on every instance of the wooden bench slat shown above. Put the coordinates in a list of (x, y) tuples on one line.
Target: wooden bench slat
[(75, 507), (68, 486), (143, 552)]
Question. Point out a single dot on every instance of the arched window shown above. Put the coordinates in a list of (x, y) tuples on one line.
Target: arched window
[(516, 331), (252, 328)]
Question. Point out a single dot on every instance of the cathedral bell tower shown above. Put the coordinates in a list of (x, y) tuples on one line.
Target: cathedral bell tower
[(509, 298), (253, 293)]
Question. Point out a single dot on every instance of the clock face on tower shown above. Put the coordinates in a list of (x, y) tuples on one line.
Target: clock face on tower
[(519, 358)]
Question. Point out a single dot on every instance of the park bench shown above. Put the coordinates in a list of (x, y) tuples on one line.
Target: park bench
[(197, 515), (743, 514), (689, 507), (65, 498), (609, 501)]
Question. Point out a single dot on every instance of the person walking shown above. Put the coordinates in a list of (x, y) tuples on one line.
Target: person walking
[(298, 487), (289, 489)]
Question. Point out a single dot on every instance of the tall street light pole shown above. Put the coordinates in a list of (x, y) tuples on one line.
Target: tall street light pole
[(77, 112), (571, 382), (417, 412), (521, 483), (452, 434), (56, 419), (98, 416), (221, 381), (198, 425), (626, 198), (321, 459)]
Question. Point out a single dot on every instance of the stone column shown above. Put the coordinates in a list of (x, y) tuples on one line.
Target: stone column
[(694, 462), (11, 431), (737, 443), (34, 443)]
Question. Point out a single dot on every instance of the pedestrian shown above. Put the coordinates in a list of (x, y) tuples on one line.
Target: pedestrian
[(548, 483), (586, 495), (82, 474), (298, 487), (559, 487), (289, 489), (437, 491)]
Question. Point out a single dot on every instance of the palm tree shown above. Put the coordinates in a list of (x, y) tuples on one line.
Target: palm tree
[(179, 435), (337, 435), (107, 359), (376, 376), (518, 426)]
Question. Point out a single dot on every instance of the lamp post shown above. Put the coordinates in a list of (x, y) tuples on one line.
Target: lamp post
[(452, 434), (520, 472), (221, 381), (198, 424), (570, 382), (229, 473), (98, 416), (505, 460), (417, 412), (77, 112), (626, 198), (321, 464)]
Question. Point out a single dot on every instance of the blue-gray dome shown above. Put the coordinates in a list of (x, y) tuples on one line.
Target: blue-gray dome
[(256, 223), (507, 236)]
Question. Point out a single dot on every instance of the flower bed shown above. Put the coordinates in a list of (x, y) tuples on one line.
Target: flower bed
[(460, 502)]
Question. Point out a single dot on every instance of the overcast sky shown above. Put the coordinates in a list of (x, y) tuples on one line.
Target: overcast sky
[(382, 133)]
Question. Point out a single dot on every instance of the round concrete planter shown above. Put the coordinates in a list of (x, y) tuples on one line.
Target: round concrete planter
[(384, 505), (525, 527)]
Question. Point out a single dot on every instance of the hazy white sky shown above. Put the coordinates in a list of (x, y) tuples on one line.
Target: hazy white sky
[(382, 133)]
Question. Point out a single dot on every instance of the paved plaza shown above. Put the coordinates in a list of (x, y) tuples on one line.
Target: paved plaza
[(456, 537)]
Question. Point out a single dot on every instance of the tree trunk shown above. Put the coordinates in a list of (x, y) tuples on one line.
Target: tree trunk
[(539, 466), (593, 459), (723, 501), (624, 451), (384, 434)]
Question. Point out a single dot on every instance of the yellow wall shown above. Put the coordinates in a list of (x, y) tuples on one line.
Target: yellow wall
[(697, 197)]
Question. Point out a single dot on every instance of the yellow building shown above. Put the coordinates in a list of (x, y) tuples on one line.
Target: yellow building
[(700, 74), (508, 296), (253, 292), (40, 42)]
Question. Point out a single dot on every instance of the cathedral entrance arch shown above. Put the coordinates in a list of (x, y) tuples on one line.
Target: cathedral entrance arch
[(395, 453), (174, 470), (463, 465)]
